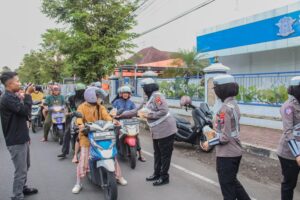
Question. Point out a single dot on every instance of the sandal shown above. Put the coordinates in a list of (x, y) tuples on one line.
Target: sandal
[(75, 160), (142, 159), (44, 140)]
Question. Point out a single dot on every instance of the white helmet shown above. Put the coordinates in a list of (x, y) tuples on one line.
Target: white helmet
[(125, 89)]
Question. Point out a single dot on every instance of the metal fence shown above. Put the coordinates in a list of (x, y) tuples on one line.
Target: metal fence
[(174, 88), (264, 88), (267, 89)]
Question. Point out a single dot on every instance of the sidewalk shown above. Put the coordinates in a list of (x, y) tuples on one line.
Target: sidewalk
[(261, 141)]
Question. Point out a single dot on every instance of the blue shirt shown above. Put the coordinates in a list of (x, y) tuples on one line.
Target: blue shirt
[(126, 105)]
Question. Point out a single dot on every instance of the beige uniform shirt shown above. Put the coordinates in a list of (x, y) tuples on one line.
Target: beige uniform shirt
[(290, 112), (227, 125), (159, 109)]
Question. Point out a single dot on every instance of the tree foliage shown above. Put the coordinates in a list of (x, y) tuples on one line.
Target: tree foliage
[(48, 63), (194, 66), (5, 69), (32, 67), (97, 33)]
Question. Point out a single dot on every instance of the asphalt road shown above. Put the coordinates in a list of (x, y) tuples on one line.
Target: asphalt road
[(190, 179)]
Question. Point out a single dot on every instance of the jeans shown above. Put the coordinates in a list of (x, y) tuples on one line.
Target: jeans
[(20, 156)]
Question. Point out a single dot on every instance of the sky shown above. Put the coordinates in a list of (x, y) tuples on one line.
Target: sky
[(21, 26), (22, 23), (182, 33)]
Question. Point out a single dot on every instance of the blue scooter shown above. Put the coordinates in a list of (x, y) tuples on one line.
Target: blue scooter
[(103, 151)]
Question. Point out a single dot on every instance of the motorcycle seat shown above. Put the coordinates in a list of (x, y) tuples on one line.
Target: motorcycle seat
[(36, 102), (183, 121)]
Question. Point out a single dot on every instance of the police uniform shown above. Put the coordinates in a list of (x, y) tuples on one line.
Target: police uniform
[(163, 128), (228, 145), (289, 146)]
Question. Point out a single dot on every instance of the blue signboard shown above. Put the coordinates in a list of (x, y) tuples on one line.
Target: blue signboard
[(272, 29)]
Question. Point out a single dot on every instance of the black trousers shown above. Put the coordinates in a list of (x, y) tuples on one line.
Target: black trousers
[(290, 171), (232, 189), (67, 137), (163, 149)]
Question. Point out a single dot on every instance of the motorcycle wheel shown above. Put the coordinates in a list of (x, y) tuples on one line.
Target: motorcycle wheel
[(33, 125), (54, 134), (111, 191), (132, 151)]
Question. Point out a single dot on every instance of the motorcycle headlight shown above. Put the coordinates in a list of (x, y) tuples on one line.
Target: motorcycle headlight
[(132, 130)]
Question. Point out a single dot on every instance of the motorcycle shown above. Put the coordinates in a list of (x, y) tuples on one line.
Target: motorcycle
[(127, 145), (58, 117), (194, 134), (36, 116), (103, 150)]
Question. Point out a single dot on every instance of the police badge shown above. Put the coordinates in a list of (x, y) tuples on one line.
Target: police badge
[(285, 25)]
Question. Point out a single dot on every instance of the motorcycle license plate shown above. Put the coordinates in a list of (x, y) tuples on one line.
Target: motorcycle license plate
[(58, 120), (103, 135)]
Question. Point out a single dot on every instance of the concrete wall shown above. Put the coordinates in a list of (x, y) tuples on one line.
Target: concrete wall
[(280, 60)]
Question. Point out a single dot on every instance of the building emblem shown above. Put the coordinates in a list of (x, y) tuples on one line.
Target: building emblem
[(285, 25)]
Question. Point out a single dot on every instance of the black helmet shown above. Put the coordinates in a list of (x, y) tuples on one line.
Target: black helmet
[(149, 86), (294, 87), (38, 88)]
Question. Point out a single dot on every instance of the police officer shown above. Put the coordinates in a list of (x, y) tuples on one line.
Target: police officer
[(289, 146), (163, 127), (228, 149)]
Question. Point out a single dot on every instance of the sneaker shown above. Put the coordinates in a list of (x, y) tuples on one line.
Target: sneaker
[(122, 181), (76, 189)]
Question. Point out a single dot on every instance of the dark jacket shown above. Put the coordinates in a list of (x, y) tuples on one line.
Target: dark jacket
[(14, 116)]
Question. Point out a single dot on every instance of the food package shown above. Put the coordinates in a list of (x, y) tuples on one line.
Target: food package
[(113, 112), (143, 112), (209, 132)]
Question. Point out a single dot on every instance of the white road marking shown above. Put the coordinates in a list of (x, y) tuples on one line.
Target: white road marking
[(194, 174)]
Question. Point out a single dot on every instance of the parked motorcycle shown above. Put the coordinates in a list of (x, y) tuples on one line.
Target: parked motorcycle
[(193, 134), (102, 156), (127, 145), (36, 116), (58, 117)]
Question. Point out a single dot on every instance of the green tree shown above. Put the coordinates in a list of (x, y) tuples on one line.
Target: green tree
[(56, 66), (5, 69), (98, 32), (194, 66), (32, 67)]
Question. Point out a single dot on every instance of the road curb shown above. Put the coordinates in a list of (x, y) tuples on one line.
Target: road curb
[(260, 151), (250, 148)]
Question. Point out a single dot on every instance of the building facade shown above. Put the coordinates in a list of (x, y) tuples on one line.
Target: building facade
[(266, 42)]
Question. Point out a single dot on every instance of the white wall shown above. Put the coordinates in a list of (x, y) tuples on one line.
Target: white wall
[(280, 60), (182, 33)]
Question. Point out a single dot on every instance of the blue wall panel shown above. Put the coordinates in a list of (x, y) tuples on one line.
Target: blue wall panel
[(252, 33)]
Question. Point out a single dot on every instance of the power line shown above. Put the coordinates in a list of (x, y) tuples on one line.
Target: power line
[(141, 5), (155, 8), (146, 7), (177, 17)]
